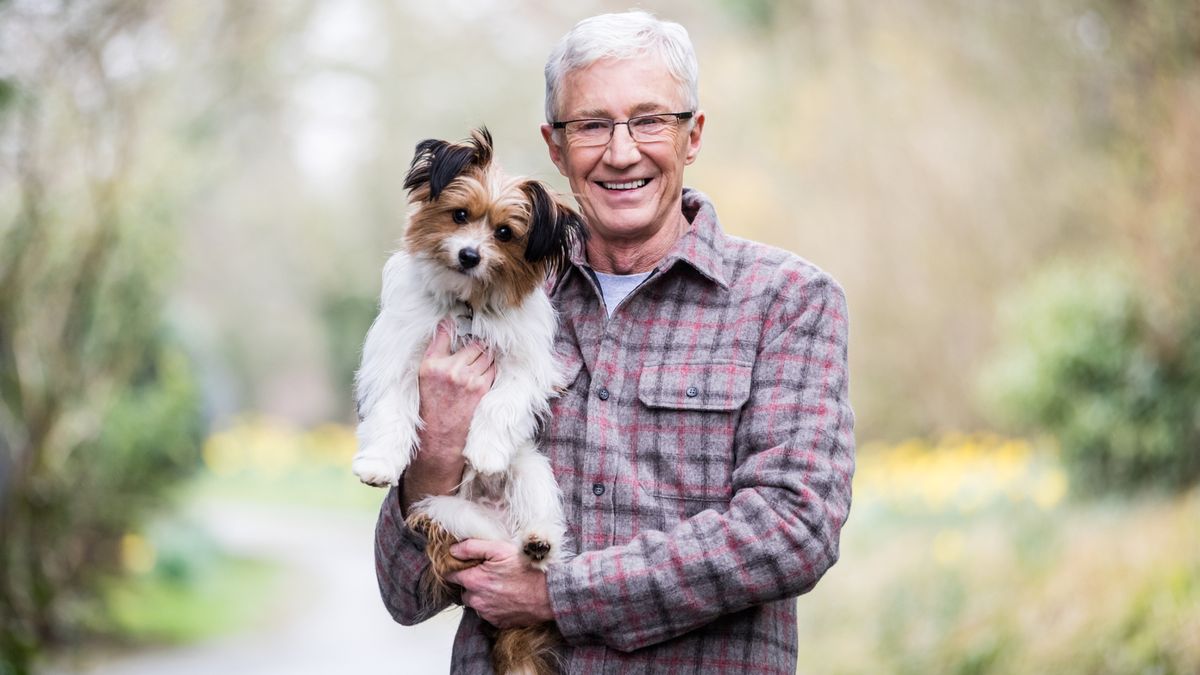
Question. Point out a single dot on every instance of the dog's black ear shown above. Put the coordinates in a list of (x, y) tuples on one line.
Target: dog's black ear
[(422, 163), (481, 138), (554, 228), (437, 163)]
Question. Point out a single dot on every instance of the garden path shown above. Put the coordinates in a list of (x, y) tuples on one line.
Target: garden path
[(331, 619)]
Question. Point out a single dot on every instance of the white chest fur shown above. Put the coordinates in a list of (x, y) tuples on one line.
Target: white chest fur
[(508, 491)]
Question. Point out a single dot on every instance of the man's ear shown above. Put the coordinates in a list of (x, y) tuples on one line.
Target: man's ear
[(556, 150), (694, 136)]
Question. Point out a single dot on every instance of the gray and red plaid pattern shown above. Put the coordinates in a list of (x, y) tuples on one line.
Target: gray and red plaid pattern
[(705, 451)]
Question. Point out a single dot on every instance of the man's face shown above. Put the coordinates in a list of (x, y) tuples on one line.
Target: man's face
[(627, 190)]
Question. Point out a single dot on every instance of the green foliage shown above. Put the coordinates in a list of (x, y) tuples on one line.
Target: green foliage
[(758, 14), (153, 432), (346, 319), (99, 410), (1081, 362), (8, 93), (65, 521)]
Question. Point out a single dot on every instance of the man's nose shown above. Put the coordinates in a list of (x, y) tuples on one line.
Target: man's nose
[(468, 258), (622, 150)]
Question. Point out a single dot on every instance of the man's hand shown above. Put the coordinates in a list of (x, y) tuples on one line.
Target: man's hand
[(451, 386), (504, 589)]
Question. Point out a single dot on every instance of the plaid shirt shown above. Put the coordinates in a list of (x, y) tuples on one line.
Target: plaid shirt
[(705, 451)]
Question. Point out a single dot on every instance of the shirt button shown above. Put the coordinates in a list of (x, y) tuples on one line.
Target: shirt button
[(602, 393), (692, 392), (597, 489)]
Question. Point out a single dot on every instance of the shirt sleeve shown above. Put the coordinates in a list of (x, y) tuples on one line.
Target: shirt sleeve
[(791, 495), (400, 562)]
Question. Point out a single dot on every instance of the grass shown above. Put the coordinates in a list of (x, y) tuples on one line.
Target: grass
[(231, 596), (1014, 583), (180, 587)]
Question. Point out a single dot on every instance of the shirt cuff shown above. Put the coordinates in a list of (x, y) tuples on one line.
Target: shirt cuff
[(574, 608), (402, 537)]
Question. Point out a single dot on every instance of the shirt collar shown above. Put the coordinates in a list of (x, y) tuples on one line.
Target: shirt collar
[(699, 246)]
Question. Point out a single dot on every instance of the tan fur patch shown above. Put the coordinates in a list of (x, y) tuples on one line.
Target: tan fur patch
[(434, 587), (491, 201), (517, 650), (526, 650)]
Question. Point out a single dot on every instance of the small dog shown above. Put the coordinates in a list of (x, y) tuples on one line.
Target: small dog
[(477, 251)]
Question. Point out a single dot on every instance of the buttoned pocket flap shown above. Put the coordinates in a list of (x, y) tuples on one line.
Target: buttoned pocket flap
[(695, 386)]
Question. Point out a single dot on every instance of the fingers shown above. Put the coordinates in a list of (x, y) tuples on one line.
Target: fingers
[(475, 358), (457, 578), (472, 352), (471, 549), (472, 366), (440, 344), (475, 353), (476, 549), (488, 376), (484, 363)]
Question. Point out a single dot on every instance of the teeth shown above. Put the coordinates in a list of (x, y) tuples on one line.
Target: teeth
[(625, 186)]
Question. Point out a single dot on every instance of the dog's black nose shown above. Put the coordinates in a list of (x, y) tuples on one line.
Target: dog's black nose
[(468, 258)]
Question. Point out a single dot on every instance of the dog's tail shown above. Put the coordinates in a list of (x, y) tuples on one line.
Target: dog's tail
[(526, 651)]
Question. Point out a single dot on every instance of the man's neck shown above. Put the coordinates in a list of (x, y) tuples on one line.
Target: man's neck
[(633, 256)]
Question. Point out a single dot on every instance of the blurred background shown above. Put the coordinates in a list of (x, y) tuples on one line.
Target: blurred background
[(196, 200)]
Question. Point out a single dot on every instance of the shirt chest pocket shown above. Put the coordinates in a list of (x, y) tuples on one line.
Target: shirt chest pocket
[(688, 415)]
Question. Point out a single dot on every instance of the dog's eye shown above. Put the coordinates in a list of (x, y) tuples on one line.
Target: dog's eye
[(460, 216), (504, 233)]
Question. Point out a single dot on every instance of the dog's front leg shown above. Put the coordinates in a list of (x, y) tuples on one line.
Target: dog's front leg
[(387, 436), (389, 401), (505, 420)]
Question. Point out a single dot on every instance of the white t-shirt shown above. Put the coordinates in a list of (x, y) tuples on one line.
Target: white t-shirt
[(616, 286)]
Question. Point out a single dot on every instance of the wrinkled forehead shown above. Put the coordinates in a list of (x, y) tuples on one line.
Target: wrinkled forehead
[(620, 88)]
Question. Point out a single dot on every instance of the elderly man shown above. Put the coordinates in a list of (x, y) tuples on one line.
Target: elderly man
[(705, 444)]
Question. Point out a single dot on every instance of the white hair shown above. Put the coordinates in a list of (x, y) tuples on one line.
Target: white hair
[(621, 36)]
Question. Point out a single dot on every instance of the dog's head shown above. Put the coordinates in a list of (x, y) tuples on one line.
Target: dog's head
[(495, 238)]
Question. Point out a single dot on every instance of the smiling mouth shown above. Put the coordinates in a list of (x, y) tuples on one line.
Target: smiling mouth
[(628, 185)]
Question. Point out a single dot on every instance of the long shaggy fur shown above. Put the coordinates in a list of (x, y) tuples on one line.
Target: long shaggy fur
[(516, 650), (434, 588), (477, 250), (527, 650)]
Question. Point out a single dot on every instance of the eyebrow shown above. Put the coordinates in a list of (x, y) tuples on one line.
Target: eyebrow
[(601, 113)]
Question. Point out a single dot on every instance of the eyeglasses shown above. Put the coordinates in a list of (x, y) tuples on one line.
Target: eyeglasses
[(642, 128)]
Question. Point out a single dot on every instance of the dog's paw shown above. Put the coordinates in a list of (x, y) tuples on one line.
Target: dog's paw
[(536, 548), (375, 471)]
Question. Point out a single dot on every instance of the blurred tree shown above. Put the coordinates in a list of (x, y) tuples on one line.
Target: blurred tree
[(1108, 359), (347, 318), (1150, 99), (1081, 361), (932, 156), (99, 410)]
